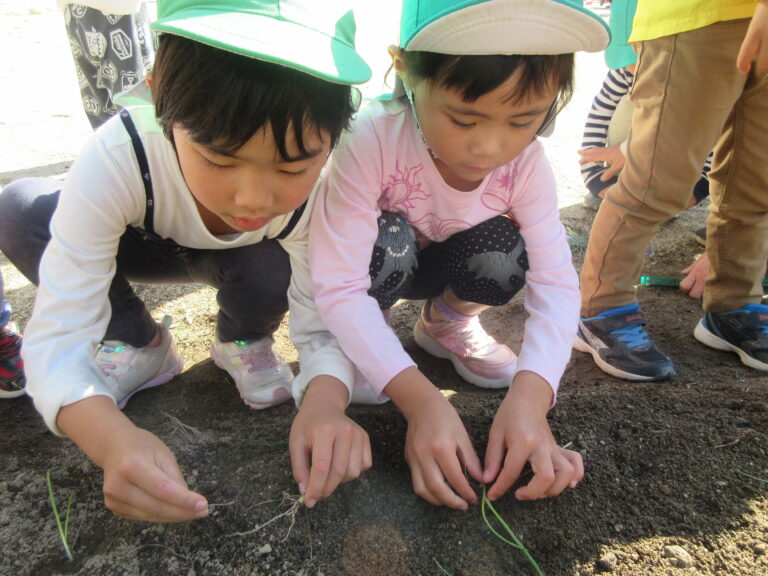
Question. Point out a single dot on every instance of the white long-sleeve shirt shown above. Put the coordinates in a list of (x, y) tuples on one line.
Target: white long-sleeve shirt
[(383, 165), (102, 195)]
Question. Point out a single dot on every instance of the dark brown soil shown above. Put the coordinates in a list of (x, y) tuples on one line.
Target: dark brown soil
[(664, 467)]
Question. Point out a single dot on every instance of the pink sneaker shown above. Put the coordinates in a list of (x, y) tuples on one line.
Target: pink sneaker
[(475, 355), (262, 377)]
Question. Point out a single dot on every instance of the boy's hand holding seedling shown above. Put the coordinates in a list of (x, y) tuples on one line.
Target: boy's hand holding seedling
[(519, 434), (437, 446), (142, 480), (327, 447)]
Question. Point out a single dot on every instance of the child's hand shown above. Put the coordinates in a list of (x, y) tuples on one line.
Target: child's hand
[(520, 433), (437, 446), (696, 276), (755, 44), (142, 480), (327, 447), (611, 155)]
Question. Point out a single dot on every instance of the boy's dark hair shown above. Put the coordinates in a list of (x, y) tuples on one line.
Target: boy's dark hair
[(224, 98), (475, 76)]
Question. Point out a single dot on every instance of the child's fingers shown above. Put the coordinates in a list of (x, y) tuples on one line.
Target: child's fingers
[(360, 458), (510, 472), (322, 456), (300, 454), (435, 479), (420, 486), (451, 465), (340, 463), (578, 467), (155, 497), (564, 473), (543, 477), (494, 456), (470, 461), (749, 48)]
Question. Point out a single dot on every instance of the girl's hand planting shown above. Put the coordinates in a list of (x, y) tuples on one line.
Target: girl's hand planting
[(327, 447), (519, 434)]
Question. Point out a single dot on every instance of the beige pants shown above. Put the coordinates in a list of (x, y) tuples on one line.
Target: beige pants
[(688, 97)]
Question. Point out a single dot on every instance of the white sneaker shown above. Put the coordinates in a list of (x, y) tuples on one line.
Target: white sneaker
[(128, 370), (262, 377)]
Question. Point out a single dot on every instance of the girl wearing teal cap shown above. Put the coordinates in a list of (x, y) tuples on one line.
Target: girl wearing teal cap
[(443, 193), (211, 184)]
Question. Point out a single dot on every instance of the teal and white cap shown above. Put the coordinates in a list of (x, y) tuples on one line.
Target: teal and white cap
[(483, 27)]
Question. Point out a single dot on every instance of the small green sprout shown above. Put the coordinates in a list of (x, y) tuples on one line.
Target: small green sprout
[(753, 477), (513, 540), (63, 530)]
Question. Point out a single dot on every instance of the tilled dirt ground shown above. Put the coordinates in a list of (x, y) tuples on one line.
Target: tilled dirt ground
[(673, 469)]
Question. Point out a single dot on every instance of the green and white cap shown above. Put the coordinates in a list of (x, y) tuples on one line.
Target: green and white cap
[(483, 27), (313, 36)]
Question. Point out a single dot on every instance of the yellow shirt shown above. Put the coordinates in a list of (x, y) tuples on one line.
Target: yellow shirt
[(657, 18)]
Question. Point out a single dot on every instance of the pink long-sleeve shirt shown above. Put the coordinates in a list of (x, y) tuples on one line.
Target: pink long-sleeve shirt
[(382, 164)]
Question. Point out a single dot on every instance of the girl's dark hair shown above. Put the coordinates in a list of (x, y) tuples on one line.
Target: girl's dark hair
[(475, 76), (224, 98)]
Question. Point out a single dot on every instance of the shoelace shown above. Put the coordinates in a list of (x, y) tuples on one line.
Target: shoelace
[(258, 359), (633, 335), (9, 344), (470, 333)]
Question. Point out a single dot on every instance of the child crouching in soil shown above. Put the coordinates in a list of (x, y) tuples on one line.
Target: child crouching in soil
[(210, 184), (443, 193)]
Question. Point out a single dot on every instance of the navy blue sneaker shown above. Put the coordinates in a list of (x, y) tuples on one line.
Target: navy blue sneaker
[(744, 331), (617, 340)]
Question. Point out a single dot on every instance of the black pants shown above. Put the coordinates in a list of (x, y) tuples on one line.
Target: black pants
[(485, 264), (251, 302)]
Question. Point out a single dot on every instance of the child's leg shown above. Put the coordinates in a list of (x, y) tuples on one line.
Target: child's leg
[(475, 269), (671, 136), (737, 227), (111, 53), (252, 283), (394, 260), (28, 206), (615, 86)]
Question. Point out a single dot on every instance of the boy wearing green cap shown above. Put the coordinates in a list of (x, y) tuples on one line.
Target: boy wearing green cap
[(210, 184)]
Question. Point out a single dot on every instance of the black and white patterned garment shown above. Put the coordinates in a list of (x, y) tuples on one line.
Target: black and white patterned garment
[(485, 264), (112, 52), (617, 85)]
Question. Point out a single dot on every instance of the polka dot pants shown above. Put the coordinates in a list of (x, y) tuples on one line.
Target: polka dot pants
[(485, 264)]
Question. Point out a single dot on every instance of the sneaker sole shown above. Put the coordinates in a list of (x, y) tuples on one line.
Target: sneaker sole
[(582, 346), (708, 338), (433, 347), (281, 399), (158, 380), (15, 394)]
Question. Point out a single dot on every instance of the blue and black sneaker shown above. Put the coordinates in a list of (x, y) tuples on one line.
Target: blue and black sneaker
[(617, 340), (744, 331)]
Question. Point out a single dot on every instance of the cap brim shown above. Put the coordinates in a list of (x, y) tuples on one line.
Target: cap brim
[(513, 27), (272, 40)]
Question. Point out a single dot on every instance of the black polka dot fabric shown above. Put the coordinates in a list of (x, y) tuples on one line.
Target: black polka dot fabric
[(485, 264)]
